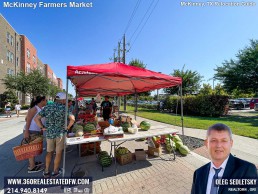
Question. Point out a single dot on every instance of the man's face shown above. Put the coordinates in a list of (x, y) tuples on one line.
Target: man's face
[(219, 145), (106, 98)]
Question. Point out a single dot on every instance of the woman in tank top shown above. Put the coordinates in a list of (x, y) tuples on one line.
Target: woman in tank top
[(32, 131)]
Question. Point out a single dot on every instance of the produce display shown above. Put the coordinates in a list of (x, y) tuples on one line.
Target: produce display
[(79, 133), (170, 145), (145, 125), (89, 127), (122, 151), (104, 159), (132, 130), (125, 126), (76, 127), (184, 150), (176, 143)]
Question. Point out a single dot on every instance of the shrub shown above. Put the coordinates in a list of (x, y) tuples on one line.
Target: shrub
[(200, 105), (2, 110), (25, 107)]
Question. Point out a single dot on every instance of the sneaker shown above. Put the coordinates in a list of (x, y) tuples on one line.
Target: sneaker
[(37, 164), (68, 150), (46, 174), (54, 175), (36, 169)]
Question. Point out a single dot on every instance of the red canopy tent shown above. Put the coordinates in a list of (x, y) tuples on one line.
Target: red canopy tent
[(117, 79)]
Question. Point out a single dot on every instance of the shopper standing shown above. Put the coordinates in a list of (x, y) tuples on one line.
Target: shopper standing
[(55, 130), (32, 131), (8, 109), (106, 108), (17, 109)]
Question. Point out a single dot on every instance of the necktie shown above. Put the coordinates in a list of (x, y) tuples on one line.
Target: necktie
[(214, 188)]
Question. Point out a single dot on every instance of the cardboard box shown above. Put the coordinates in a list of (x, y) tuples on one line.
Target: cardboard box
[(124, 159), (154, 151), (103, 124), (112, 136), (140, 154), (88, 149)]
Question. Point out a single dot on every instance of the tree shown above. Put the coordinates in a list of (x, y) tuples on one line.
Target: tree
[(32, 84), (219, 90), (206, 89), (191, 82), (53, 90), (9, 96), (138, 63), (242, 73)]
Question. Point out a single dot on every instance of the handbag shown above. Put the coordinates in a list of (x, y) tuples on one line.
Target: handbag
[(28, 150)]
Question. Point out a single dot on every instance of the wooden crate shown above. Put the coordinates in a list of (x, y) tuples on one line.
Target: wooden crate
[(124, 159), (154, 151), (88, 149)]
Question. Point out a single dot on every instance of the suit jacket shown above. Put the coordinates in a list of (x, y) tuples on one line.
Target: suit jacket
[(235, 169)]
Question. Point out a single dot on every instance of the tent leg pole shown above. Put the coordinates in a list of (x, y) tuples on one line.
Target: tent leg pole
[(182, 115), (135, 105), (65, 134)]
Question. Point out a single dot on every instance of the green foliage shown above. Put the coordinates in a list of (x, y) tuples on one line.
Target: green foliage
[(25, 107), (33, 83), (242, 73), (219, 90), (137, 63), (53, 90), (240, 125), (2, 110), (148, 106), (206, 89), (191, 82), (9, 96), (239, 94), (200, 105)]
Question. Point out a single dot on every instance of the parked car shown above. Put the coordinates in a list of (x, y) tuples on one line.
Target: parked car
[(253, 102), (256, 107), (236, 104), (245, 101)]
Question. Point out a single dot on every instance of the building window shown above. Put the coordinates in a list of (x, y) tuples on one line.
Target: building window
[(9, 38), (10, 72), (12, 57), (28, 53), (17, 61), (17, 45), (9, 56), (34, 59), (28, 68)]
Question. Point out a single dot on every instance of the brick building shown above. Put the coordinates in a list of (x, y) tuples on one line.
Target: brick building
[(17, 54)]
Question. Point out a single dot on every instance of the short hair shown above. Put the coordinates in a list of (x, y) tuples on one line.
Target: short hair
[(219, 127)]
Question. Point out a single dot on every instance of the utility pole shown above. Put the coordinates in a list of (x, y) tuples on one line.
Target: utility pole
[(118, 52), (124, 49)]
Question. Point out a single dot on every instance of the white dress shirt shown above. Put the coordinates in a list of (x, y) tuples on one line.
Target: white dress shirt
[(212, 173)]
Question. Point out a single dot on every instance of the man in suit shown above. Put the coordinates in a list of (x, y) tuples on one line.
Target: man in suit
[(219, 143)]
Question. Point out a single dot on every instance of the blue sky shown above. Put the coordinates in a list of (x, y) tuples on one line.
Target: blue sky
[(199, 37)]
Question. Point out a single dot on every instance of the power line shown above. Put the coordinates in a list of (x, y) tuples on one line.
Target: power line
[(144, 23), (142, 20), (132, 15)]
